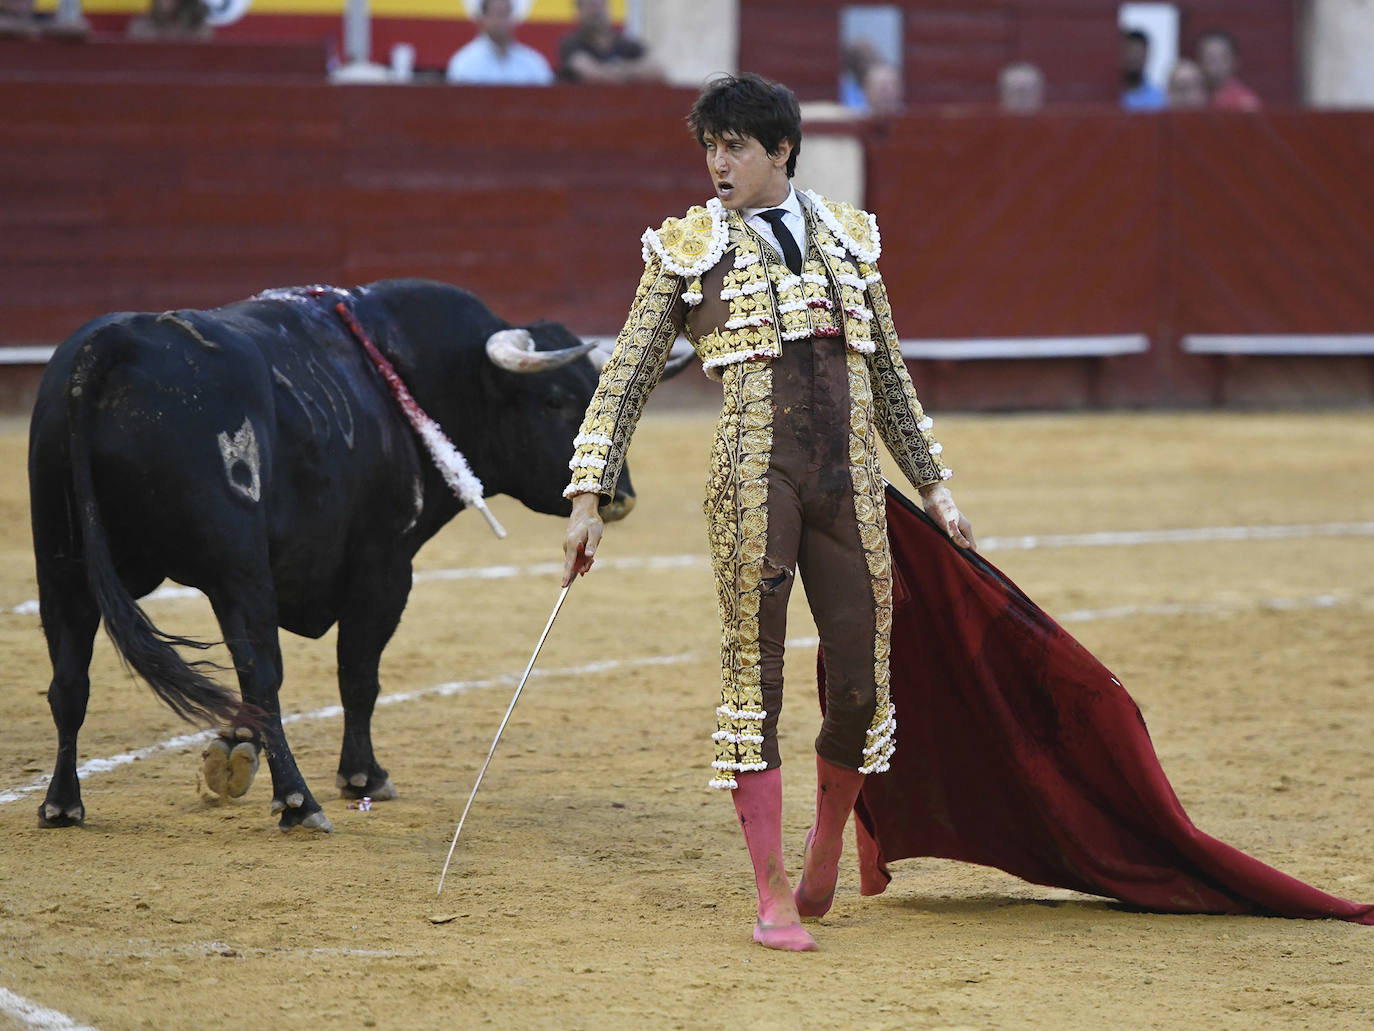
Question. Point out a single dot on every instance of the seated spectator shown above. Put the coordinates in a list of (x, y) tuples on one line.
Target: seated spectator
[(1187, 86), (855, 61), (495, 57), (1021, 88), (596, 51), (18, 20), (1217, 55), (172, 19), (1137, 92), (883, 90)]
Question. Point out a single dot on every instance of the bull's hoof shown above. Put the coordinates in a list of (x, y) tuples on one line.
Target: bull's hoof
[(360, 785), (50, 814), (229, 771), (295, 813)]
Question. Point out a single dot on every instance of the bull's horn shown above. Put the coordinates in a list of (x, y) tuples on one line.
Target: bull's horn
[(678, 359), (513, 350), (601, 353)]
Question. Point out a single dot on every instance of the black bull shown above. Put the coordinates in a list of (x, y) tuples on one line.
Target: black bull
[(255, 453)]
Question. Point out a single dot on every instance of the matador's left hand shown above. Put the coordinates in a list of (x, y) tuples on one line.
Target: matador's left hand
[(939, 505)]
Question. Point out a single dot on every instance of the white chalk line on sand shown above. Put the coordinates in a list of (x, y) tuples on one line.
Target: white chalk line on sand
[(105, 764), (1026, 542), (30, 1014)]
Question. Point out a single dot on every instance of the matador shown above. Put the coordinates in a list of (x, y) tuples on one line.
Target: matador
[(779, 292)]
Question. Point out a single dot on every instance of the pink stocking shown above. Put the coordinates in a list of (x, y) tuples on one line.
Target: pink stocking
[(758, 801), (837, 788)]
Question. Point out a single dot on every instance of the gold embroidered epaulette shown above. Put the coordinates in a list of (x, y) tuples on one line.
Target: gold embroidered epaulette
[(692, 244), (856, 229)]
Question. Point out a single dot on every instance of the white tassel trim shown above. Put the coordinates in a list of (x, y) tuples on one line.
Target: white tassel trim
[(946, 473), (797, 334), (720, 239), (863, 346), (724, 785), (692, 298), (743, 291), (749, 320), (860, 313), (789, 282), (783, 309), (936, 449), (740, 714), (833, 224), (735, 357), (883, 735), (814, 277), (721, 764), (848, 280), (599, 439), (737, 739), (744, 260), (925, 424), (582, 487), (587, 462), (874, 277), (834, 251)]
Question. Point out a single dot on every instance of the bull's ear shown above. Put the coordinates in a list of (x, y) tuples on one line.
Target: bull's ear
[(514, 351)]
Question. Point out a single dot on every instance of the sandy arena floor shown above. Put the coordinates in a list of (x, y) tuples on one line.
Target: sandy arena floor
[(600, 884)]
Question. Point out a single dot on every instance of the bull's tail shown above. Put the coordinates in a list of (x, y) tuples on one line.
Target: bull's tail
[(186, 689)]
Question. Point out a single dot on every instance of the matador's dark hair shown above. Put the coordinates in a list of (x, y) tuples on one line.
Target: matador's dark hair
[(749, 105)]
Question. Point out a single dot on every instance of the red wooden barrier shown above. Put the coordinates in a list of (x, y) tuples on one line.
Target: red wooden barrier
[(953, 49), (153, 196)]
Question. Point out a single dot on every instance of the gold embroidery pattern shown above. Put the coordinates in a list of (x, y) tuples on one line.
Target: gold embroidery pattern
[(769, 304), (737, 526), (632, 371), (901, 420), (870, 515)]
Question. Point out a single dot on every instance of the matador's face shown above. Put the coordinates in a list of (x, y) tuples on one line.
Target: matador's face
[(743, 173)]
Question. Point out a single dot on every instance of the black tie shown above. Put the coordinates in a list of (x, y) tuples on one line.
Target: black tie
[(790, 252)]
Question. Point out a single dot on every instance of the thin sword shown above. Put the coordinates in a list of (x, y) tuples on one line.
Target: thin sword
[(481, 773)]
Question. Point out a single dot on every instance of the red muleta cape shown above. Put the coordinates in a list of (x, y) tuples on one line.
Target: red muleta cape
[(1017, 749)]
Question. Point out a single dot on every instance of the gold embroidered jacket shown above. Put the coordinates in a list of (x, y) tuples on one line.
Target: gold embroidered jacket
[(745, 309)]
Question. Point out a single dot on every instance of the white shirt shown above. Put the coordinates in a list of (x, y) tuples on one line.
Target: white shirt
[(793, 220), (482, 63)]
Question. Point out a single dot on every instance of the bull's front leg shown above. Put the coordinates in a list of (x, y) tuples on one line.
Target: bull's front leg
[(250, 631), (365, 627)]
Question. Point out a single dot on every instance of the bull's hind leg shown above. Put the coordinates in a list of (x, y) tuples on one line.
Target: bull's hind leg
[(70, 620), (365, 626), (250, 632)]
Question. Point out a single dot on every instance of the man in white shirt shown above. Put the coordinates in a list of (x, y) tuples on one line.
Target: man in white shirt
[(494, 58)]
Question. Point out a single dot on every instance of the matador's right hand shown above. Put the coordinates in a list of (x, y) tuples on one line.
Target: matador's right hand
[(584, 534)]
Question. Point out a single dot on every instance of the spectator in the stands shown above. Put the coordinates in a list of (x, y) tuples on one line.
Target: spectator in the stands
[(172, 19), (1021, 88), (1137, 92), (855, 61), (1218, 55), (596, 51), (18, 20), (884, 90), (496, 57), (1187, 86)]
